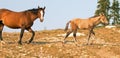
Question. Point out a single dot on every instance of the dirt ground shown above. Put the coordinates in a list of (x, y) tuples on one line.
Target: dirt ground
[(47, 44)]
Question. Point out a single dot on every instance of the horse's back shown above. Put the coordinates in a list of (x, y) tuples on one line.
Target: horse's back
[(3, 13), (81, 23), (11, 19), (4, 10)]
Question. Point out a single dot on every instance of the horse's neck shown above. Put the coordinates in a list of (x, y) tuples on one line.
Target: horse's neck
[(95, 20), (32, 16)]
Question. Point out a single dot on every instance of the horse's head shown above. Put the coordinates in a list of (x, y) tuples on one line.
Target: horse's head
[(41, 13), (103, 19)]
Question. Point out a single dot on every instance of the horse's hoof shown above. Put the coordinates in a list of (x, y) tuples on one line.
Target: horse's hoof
[(29, 42), (87, 44), (2, 42), (26, 42), (1, 39), (19, 43)]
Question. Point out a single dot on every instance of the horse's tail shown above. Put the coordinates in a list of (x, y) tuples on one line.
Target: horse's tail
[(66, 28)]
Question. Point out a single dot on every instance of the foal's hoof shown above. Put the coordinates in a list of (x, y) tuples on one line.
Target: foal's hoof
[(19, 43), (63, 42), (89, 43)]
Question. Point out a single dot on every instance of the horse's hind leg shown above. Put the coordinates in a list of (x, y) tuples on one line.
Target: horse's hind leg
[(33, 34), (74, 35), (1, 29)]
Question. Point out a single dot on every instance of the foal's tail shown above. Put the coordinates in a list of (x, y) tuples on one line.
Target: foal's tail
[(66, 28)]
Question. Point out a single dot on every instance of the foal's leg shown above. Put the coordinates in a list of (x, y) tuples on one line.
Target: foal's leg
[(1, 28), (33, 34), (93, 33), (21, 35), (67, 34)]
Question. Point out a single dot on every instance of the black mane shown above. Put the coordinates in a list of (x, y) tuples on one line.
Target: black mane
[(34, 11)]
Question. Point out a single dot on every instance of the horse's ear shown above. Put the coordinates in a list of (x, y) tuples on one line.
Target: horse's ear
[(44, 7), (38, 7)]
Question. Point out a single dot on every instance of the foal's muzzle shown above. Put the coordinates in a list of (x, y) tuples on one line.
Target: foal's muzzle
[(106, 23)]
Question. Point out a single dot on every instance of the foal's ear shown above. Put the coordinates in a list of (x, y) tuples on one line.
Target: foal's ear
[(101, 14)]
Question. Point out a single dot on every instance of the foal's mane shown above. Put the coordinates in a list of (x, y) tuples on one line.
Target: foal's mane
[(94, 16)]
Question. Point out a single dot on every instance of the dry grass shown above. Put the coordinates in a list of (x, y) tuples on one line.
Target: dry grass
[(47, 44)]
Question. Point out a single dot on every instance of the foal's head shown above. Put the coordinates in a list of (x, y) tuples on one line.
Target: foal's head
[(103, 19), (41, 12)]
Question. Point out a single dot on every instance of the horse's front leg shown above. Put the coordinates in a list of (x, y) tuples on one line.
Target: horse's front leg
[(1, 29), (21, 35), (33, 34)]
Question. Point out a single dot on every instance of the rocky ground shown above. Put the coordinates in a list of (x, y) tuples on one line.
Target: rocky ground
[(48, 44)]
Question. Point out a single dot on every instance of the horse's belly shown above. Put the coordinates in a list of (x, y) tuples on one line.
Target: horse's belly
[(83, 28), (12, 26), (11, 23)]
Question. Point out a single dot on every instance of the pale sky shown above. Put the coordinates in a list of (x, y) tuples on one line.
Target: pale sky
[(57, 12)]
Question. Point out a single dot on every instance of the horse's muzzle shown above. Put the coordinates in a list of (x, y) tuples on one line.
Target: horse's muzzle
[(41, 20)]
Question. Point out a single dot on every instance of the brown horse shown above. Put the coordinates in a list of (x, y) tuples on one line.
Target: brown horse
[(88, 24), (23, 20)]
